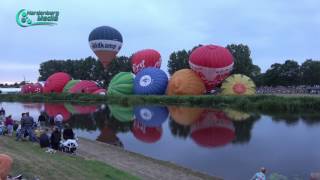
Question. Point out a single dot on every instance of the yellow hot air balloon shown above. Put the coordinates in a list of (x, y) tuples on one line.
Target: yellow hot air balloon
[(238, 84), (236, 115)]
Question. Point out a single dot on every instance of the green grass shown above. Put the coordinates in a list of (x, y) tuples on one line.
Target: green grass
[(261, 103), (32, 162)]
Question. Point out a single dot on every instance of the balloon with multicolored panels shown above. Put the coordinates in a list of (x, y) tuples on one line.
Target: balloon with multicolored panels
[(145, 58), (238, 84), (105, 42), (212, 63)]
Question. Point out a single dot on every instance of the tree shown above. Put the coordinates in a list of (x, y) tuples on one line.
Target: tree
[(242, 60), (178, 60), (310, 72)]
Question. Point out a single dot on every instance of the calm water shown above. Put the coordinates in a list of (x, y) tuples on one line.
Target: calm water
[(227, 143)]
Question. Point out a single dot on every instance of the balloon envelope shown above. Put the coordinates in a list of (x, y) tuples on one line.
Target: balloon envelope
[(212, 63), (121, 113), (84, 86), (145, 58), (100, 92), (27, 89), (185, 82), (69, 85), (121, 84), (151, 116), (238, 84), (150, 81), (106, 42), (56, 82)]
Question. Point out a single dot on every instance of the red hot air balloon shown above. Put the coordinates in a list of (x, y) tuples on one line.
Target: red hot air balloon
[(84, 86), (106, 42), (146, 134), (145, 58), (37, 88), (56, 82), (27, 89), (212, 63), (213, 129)]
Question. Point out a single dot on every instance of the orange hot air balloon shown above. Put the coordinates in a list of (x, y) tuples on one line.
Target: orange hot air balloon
[(106, 42), (185, 82), (185, 115)]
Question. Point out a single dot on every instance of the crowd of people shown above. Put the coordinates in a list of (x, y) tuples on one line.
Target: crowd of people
[(289, 89), (49, 132)]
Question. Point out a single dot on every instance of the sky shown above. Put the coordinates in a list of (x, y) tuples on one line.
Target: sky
[(275, 30)]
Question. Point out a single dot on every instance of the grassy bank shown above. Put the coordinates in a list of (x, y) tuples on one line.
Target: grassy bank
[(32, 161), (263, 103)]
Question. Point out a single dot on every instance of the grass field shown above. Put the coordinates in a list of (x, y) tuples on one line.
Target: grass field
[(32, 162)]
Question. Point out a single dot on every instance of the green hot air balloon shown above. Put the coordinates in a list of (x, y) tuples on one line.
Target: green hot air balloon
[(122, 113), (69, 85), (121, 84)]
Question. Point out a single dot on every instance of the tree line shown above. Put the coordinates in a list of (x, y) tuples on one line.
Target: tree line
[(290, 73)]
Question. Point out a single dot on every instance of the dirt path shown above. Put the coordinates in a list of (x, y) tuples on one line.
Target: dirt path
[(141, 166)]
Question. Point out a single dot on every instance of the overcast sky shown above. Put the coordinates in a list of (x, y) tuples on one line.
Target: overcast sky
[(274, 30)]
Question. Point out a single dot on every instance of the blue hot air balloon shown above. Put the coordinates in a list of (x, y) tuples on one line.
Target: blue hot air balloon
[(106, 42), (150, 81), (151, 116)]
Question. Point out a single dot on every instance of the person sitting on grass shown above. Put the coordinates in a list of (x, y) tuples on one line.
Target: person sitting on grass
[(55, 139), (261, 175), (68, 132), (44, 140)]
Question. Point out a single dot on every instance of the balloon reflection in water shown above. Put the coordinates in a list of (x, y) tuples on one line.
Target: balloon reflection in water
[(122, 113), (236, 115), (185, 115), (151, 116), (213, 129), (80, 109), (146, 134), (54, 109), (109, 136)]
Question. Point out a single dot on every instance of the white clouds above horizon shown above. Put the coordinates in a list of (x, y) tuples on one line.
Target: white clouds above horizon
[(274, 30)]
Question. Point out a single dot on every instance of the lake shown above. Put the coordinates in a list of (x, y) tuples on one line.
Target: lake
[(225, 143)]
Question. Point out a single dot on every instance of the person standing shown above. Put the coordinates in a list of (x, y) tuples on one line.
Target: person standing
[(42, 119), (58, 119), (9, 124)]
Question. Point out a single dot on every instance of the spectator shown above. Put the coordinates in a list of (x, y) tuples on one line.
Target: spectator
[(68, 133), (9, 125), (55, 139), (58, 119), (44, 139)]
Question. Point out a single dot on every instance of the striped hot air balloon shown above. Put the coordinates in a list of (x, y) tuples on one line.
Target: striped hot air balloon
[(212, 63), (69, 85), (150, 81), (145, 58), (105, 42), (121, 84), (84, 86)]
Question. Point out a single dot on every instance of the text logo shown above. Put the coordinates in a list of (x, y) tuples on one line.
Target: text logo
[(26, 18)]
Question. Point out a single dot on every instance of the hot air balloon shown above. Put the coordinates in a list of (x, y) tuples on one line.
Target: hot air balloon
[(236, 115), (151, 116), (212, 63), (69, 85), (185, 82), (185, 115), (56, 82), (100, 92), (106, 42), (150, 81), (37, 88), (27, 89), (121, 84), (213, 129), (122, 113), (238, 84), (145, 58), (84, 86), (146, 134), (54, 109)]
